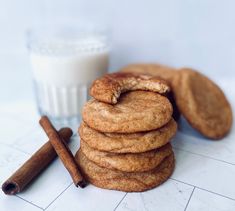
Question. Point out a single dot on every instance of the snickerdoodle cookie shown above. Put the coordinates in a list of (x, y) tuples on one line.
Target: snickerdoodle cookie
[(202, 103), (135, 111), (109, 87), (123, 181), (128, 162), (156, 70), (128, 142)]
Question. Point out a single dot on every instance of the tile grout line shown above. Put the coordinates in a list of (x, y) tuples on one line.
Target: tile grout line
[(120, 202), (204, 156), (29, 202), (181, 182), (218, 194), (25, 135), (57, 197), (203, 189), (189, 199), (17, 148)]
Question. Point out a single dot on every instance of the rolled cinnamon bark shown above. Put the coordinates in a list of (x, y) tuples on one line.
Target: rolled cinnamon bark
[(63, 152), (33, 166)]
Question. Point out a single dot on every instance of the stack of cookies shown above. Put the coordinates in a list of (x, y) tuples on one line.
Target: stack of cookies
[(126, 132)]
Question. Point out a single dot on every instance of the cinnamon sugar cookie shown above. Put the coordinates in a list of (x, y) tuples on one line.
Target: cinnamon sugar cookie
[(202, 103), (157, 70), (122, 181), (128, 162), (136, 111), (128, 143), (109, 87)]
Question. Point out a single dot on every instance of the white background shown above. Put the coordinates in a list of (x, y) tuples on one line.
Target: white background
[(196, 33)]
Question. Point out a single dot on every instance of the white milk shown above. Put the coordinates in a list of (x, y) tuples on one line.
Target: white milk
[(62, 74)]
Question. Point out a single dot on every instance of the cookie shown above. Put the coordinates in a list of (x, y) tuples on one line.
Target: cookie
[(157, 70), (136, 111), (122, 181), (128, 162), (109, 87), (165, 72), (128, 143), (202, 103)]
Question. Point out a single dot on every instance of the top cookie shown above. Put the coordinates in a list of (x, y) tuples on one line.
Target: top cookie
[(162, 71), (135, 112), (108, 88), (202, 103)]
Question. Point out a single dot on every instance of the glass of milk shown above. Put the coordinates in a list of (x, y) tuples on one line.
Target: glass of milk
[(65, 60)]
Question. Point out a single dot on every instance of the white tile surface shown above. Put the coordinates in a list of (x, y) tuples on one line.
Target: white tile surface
[(53, 181), (25, 111), (223, 150), (74, 144), (14, 203), (32, 142), (206, 201), (12, 129), (11, 159), (89, 198), (206, 173), (174, 193)]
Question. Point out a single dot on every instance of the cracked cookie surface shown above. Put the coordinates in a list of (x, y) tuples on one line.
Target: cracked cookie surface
[(128, 162), (128, 142), (109, 87), (135, 111)]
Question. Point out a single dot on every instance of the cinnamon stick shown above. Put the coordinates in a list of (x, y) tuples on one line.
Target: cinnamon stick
[(63, 152), (33, 166)]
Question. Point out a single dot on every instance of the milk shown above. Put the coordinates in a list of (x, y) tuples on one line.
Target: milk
[(63, 72)]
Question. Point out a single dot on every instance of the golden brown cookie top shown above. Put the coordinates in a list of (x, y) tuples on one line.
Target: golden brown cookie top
[(128, 142), (109, 87), (136, 111), (202, 103), (128, 162)]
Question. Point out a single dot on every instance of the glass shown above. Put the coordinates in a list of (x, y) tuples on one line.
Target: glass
[(65, 60)]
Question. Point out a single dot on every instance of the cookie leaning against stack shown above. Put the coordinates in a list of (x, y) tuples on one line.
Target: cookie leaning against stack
[(195, 96), (125, 133)]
